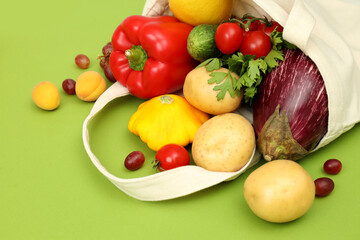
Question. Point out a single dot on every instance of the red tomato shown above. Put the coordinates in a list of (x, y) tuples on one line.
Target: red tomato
[(228, 37), (171, 156), (254, 25), (255, 43), (269, 28)]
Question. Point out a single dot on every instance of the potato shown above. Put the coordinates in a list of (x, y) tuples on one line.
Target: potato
[(199, 93), (224, 143), (279, 191)]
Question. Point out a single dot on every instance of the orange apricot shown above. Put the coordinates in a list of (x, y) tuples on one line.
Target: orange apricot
[(46, 96), (89, 86)]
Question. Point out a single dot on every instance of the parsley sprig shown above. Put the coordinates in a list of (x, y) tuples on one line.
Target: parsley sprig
[(250, 70)]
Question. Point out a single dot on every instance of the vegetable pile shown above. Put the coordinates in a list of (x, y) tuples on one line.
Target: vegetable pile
[(238, 61), (219, 66)]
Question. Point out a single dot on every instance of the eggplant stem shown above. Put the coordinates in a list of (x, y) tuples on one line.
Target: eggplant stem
[(275, 140)]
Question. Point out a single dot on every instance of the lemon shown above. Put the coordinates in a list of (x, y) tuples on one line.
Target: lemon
[(195, 12)]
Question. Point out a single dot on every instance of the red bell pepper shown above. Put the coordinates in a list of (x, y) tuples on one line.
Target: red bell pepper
[(150, 55)]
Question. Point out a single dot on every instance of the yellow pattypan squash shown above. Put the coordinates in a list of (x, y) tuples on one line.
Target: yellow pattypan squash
[(166, 119)]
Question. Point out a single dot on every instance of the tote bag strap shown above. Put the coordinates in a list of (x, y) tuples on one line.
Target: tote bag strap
[(163, 185)]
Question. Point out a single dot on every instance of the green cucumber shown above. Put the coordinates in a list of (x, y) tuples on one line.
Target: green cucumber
[(201, 42)]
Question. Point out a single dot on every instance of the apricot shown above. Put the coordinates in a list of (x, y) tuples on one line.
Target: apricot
[(89, 86), (46, 96)]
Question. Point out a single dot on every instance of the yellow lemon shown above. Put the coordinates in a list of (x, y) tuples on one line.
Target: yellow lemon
[(195, 12)]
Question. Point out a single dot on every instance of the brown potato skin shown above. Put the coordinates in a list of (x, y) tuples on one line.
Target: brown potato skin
[(199, 93), (279, 191), (224, 143)]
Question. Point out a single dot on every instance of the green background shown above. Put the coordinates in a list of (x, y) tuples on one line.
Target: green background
[(49, 188)]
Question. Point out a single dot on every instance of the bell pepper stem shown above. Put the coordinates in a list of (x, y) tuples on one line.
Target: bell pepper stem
[(137, 57), (132, 55)]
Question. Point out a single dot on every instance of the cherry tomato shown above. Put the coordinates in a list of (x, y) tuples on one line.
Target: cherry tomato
[(171, 156), (228, 37), (254, 25), (268, 28), (255, 43)]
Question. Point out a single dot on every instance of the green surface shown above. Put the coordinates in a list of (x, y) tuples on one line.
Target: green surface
[(49, 188), (201, 42)]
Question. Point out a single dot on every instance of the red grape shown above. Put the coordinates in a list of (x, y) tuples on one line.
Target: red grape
[(103, 62), (82, 61), (107, 49), (134, 160), (332, 166), (108, 73), (69, 86), (324, 186)]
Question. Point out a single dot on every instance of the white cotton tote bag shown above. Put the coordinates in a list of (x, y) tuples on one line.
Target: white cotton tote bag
[(317, 28)]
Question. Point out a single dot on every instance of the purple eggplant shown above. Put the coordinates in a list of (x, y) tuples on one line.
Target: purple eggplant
[(290, 111)]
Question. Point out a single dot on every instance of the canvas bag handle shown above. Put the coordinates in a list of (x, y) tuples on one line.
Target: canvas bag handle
[(188, 179), (163, 185)]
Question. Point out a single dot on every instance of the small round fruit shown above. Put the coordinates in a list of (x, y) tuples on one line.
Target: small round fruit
[(279, 191), (46, 96), (201, 11), (171, 156), (89, 86), (228, 37), (107, 49), (134, 160), (103, 62), (68, 86), (82, 61), (255, 43), (324, 186), (332, 166), (108, 73), (201, 43)]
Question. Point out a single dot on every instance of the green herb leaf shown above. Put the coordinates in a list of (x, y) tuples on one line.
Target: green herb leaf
[(250, 70), (289, 45), (235, 63), (204, 62), (246, 80), (272, 57), (276, 39), (253, 69), (214, 64), (211, 64), (226, 80), (262, 65), (217, 77), (249, 93)]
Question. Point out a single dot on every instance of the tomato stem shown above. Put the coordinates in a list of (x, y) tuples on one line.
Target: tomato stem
[(156, 165), (241, 23), (250, 19)]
